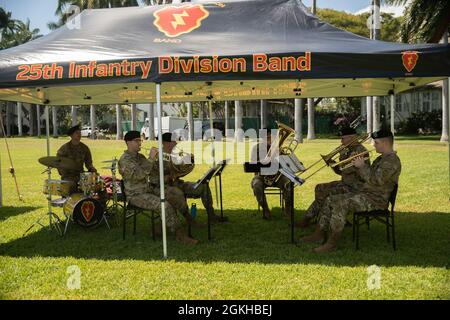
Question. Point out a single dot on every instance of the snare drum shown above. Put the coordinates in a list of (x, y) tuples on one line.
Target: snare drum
[(90, 183), (57, 187), (85, 211)]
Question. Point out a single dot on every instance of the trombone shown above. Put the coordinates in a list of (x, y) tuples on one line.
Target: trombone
[(330, 157), (348, 163)]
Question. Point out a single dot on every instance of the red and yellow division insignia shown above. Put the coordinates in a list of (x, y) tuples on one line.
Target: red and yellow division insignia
[(174, 21), (410, 59), (87, 209)]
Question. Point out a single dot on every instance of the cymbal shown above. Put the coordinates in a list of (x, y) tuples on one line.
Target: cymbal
[(58, 162)]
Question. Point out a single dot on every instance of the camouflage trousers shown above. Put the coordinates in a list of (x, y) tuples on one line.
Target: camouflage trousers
[(175, 197), (203, 191), (151, 201), (258, 187), (322, 191), (333, 213)]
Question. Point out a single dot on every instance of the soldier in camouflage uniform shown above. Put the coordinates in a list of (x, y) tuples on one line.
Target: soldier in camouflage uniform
[(78, 152), (187, 188), (258, 183), (135, 170), (379, 181), (350, 179)]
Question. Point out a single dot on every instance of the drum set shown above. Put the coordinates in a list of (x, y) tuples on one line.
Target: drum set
[(88, 203)]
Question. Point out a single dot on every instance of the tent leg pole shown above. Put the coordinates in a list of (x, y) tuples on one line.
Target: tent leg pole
[(161, 170)]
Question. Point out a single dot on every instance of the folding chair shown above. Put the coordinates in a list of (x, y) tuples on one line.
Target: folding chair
[(384, 216), (132, 211)]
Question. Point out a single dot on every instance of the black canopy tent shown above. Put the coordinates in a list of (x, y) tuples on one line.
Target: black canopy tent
[(236, 49)]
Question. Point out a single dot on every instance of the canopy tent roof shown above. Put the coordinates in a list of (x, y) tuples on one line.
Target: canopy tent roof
[(238, 49)]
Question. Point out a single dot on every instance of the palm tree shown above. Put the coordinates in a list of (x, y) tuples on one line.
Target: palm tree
[(424, 20), (427, 21), (21, 34), (7, 24), (63, 5)]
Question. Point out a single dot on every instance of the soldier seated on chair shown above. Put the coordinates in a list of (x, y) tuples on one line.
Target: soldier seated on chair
[(188, 191), (136, 169), (379, 181), (78, 152), (258, 183), (350, 181)]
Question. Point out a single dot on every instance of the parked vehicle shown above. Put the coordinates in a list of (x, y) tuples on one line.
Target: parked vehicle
[(169, 124)]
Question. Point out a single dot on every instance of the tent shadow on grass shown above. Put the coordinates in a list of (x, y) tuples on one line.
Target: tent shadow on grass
[(8, 212), (421, 238)]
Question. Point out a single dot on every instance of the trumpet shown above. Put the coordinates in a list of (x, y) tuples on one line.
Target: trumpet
[(180, 163), (348, 163)]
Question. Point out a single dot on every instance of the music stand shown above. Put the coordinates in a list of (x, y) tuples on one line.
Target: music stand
[(294, 181), (215, 171)]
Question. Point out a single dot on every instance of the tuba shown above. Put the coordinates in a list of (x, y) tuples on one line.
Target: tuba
[(284, 146), (180, 163)]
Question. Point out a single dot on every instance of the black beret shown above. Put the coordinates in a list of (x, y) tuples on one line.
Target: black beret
[(347, 131), (131, 135), (383, 133), (72, 130), (167, 137)]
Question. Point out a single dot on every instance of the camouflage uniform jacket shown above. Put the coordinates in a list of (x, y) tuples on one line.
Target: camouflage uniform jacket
[(380, 178), (135, 170), (80, 154), (350, 176)]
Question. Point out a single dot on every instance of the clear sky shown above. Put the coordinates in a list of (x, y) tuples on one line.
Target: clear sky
[(42, 11)]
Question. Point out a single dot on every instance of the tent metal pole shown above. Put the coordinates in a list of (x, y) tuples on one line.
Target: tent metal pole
[(393, 114), (213, 151), (161, 170)]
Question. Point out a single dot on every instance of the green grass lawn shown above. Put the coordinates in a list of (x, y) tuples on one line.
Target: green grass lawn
[(249, 258)]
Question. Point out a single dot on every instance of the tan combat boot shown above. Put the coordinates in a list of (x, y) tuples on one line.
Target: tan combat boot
[(330, 245), (317, 237)]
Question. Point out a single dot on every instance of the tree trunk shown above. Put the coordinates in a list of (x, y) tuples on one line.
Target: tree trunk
[(299, 104), (55, 121), (445, 102), (119, 131), (151, 121), (93, 122), (445, 110), (263, 113), (74, 116), (369, 114), (376, 113), (19, 119), (38, 120), (8, 120), (311, 120), (238, 127), (133, 117), (227, 125), (32, 120), (190, 116)]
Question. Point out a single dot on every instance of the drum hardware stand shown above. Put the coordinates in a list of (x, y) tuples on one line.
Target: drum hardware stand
[(51, 215), (113, 209)]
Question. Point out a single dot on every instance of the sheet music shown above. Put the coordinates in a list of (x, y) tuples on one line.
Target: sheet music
[(292, 177)]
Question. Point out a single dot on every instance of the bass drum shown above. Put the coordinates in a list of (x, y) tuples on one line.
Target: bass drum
[(84, 211)]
